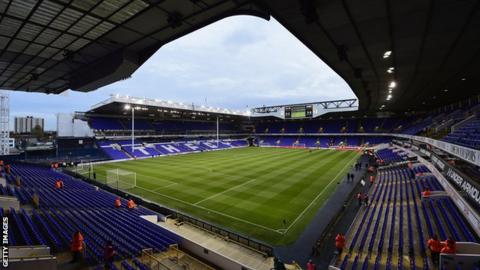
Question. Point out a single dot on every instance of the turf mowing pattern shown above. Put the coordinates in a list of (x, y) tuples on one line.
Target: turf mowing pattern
[(247, 190)]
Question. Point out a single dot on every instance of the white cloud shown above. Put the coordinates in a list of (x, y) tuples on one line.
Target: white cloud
[(255, 58)]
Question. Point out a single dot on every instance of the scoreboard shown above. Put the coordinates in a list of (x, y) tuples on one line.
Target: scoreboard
[(305, 110), (298, 111)]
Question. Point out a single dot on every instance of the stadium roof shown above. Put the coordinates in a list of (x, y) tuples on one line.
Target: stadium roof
[(116, 105), (429, 49), (54, 45)]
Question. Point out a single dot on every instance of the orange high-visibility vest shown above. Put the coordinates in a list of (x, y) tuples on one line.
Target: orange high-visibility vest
[(448, 250), (339, 241), (118, 203), (434, 245), (450, 247), (77, 242), (131, 204)]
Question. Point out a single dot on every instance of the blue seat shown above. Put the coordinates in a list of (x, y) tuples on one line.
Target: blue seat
[(54, 239), (355, 263), (140, 265), (21, 227), (344, 264), (127, 266), (33, 228)]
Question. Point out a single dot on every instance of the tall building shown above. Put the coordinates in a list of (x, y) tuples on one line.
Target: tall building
[(27, 124)]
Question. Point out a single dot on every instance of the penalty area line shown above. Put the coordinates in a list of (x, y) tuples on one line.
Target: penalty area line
[(214, 211), (166, 186), (225, 191)]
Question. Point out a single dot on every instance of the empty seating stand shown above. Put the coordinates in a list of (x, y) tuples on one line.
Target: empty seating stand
[(409, 125), (122, 149), (389, 156), (161, 127), (391, 232), (467, 135), (79, 206), (320, 141)]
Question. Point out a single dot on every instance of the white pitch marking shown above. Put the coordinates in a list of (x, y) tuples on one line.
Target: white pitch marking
[(171, 184), (279, 231), (211, 210), (225, 191), (319, 194)]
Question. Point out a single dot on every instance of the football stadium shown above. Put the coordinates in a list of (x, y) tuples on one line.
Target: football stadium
[(389, 180)]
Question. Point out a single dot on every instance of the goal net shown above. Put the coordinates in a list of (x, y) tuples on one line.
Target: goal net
[(264, 143), (299, 145), (84, 169), (121, 179)]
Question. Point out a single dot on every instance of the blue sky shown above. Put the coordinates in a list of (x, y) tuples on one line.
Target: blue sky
[(238, 62)]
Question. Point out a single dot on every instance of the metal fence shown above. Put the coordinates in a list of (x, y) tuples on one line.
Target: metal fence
[(235, 237)]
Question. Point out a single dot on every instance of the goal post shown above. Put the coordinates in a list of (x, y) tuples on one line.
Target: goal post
[(299, 145), (264, 144), (84, 169), (121, 179)]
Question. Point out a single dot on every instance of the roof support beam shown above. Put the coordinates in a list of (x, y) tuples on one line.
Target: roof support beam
[(143, 55), (363, 45), (92, 27)]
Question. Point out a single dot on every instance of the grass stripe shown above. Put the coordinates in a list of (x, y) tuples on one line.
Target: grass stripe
[(249, 190)]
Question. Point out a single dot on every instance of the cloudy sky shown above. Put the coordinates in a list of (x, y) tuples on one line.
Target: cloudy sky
[(237, 62)]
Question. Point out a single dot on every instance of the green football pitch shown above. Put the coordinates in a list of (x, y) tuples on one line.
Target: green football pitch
[(248, 190)]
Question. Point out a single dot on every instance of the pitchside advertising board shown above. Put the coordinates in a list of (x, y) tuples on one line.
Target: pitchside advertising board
[(463, 184), (466, 188), (426, 153), (465, 153), (467, 191)]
